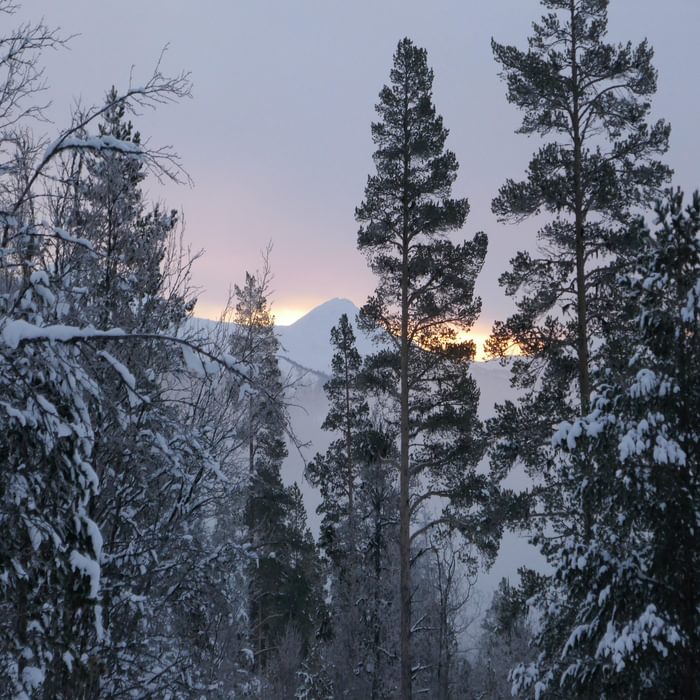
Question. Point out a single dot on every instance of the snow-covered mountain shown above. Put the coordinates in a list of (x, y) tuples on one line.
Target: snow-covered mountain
[(306, 344), (307, 341)]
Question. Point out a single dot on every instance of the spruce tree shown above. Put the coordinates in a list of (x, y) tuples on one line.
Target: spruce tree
[(357, 480), (63, 393), (284, 577), (425, 294), (143, 462), (336, 473)]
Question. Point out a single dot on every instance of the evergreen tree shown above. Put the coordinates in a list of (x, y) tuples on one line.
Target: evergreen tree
[(151, 470), (63, 391), (284, 577), (424, 295), (123, 276), (504, 642), (380, 563), (590, 100), (49, 560), (336, 473), (255, 345), (356, 477), (620, 617)]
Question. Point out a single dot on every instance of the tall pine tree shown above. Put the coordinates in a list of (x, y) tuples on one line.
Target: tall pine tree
[(589, 101), (425, 293)]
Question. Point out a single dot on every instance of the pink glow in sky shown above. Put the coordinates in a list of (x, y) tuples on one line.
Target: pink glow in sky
[(277, 135)]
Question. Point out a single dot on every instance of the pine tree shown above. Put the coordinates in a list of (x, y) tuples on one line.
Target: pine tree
[(424, 295), (590, 100), (621, 618)]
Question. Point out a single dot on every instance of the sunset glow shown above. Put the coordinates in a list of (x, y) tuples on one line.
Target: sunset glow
[(286, 315), (480, 336)]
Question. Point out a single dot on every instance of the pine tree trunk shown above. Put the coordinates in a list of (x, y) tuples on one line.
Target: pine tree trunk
[(251, 439), (377, 676), (581, 307), (579, 221), (404, 510)]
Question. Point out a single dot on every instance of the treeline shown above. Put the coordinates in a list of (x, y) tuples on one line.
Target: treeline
[(150, 548)]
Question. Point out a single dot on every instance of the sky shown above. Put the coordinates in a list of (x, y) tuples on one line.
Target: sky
[(276, 136)]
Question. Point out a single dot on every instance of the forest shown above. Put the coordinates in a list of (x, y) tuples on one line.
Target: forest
[(151, 548)]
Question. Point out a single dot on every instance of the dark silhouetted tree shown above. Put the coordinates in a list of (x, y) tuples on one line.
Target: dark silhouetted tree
[(423, 298)]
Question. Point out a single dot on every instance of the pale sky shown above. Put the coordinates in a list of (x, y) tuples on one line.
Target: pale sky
[(277, 135)]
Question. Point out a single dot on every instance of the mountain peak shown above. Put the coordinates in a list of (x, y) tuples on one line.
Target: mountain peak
[(307, 340), (328, 311)]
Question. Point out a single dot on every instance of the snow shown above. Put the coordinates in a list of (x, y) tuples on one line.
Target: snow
[(16, 331), (644, 384), (90, 475), (32, 677), (34, 536), (88, 567), (39, 277), (105, 142), (620, 642), (14, 413), (99, 626), (193, 361), (668, 452), (307, 340), (690, 310), (46, 405), (95, 537), (120, 369), (69, 238)]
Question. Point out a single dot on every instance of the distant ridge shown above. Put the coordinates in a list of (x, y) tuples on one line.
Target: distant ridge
[(306, 342)]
